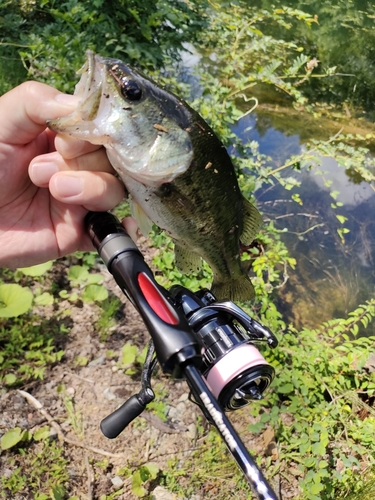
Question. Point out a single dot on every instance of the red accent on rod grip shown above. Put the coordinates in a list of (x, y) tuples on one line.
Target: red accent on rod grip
[(156, 300)]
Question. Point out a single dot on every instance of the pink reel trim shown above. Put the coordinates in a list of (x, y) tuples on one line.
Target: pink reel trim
[(231, 365)]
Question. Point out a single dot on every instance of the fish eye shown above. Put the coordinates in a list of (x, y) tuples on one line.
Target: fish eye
[(131, 89)]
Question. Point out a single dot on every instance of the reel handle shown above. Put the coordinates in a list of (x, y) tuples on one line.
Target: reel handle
[(116, 422)]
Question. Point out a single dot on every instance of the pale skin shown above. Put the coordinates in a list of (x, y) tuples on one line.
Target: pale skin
[(48, 183)]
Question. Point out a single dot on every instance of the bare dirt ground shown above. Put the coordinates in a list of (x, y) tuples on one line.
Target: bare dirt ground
[(98, 389)]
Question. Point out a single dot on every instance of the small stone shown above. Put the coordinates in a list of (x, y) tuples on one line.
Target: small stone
[(97, 361), (181, 408), (109, 394), (72, 471), (115, 369), (52, 434), (117, 482), (7, 473), (192, 431), (70, 391), (160, 493), (172, 412), (183, 397)]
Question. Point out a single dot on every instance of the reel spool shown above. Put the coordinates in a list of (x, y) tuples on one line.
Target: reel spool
[(233, 367)]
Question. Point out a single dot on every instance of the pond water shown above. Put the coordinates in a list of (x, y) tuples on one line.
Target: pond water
[(332, 277)]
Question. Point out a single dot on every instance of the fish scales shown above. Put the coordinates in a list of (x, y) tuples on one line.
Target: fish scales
[(176, 170)]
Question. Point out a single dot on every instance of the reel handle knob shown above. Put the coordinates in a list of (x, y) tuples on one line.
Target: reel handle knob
[(116, 422)]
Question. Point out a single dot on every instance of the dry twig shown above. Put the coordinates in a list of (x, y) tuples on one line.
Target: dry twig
[(38, 405)]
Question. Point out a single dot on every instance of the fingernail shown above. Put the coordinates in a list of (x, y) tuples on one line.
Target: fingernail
[(68, 186), (41, 173), (67, 99)]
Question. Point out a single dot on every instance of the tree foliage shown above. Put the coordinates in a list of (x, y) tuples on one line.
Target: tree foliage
[(50, 37)]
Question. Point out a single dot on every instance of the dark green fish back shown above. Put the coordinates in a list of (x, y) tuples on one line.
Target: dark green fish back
[(207, 197)]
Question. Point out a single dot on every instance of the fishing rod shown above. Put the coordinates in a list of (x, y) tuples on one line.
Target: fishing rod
[(209, 343)]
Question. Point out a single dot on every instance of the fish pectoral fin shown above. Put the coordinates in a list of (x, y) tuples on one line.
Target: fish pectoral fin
[(143, 220), (251, 223), (186, 261)]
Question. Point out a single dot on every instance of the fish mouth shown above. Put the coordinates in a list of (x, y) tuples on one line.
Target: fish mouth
[(89, 87)]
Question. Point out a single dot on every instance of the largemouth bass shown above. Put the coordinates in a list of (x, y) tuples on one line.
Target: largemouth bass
[(175, 169)]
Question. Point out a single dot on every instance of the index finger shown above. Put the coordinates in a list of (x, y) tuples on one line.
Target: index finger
[(26, 108), (70, 147)]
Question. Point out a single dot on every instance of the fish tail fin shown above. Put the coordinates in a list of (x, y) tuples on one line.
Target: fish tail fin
[(240, 289)]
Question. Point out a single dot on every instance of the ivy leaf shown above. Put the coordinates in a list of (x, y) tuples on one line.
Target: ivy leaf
[(77, 275), (37, 270), (94, 293), (45, 299), (137, 482), (42, 433), (10, 379), (129, 354), (11, 438), (14, 300)]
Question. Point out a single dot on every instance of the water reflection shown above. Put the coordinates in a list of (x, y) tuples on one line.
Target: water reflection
[(332, 277)]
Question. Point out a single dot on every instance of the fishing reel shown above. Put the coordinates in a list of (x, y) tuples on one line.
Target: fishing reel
[(233, 367)]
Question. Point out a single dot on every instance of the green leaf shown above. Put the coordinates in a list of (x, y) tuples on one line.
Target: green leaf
[(10, 379), (152, 470), (316, 488), (137, 482), (94, 279), (11, 438), (37, 270), (143, 474), (129, 354), (318, 448), (94, 293), (45, 299), (341, 218), (14, 300), (286, 388), (58, 492), (42, 433), (78, 275)]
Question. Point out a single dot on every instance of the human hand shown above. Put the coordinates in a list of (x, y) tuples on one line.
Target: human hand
[(47, 182)]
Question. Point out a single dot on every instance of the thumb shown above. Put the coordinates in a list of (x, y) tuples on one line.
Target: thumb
[(25, 109)]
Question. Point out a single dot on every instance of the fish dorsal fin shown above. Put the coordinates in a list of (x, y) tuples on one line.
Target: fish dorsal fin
[(251, 223), (143, 220), (186, 261)]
